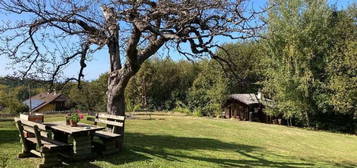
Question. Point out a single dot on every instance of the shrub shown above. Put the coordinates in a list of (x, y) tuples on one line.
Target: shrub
[(197, 112)]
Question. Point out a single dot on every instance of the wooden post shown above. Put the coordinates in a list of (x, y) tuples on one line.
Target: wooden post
[(30, 106), (38, 138), (49, 159), (82, 146)]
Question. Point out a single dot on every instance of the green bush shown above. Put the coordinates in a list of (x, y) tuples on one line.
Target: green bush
[(197, 112)]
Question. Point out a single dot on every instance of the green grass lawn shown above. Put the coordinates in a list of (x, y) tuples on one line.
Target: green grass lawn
[(179, 141)]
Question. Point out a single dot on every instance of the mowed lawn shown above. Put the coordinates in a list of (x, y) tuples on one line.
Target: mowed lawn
[(171, 140)]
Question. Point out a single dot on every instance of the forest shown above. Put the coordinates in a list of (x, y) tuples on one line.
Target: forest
[(305, 61)]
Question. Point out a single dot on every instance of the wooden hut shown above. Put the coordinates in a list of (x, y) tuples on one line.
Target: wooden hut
[(245, 107)]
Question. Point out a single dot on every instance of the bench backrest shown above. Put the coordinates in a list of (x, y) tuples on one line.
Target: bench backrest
[(114, 123), (39, 130)]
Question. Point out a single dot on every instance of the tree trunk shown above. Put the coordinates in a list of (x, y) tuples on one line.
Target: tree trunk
[(118, 76), (307, 119), (117, 82), (115, 101), (143, 93)]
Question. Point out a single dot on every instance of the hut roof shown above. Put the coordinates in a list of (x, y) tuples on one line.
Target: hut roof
[(247, 99)]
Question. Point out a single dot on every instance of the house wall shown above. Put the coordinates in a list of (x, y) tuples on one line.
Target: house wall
[(47, 107), (241, 111), (60, 105), (237, 110)]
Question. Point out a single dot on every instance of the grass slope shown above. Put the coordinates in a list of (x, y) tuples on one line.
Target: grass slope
[(179, 141)]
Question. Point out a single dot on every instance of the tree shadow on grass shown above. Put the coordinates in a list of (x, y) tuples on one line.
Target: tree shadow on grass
[(125, 156), (140, 147), (143, 147), (9, 136)]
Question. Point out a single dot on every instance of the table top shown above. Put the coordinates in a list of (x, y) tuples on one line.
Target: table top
[(61, 126)]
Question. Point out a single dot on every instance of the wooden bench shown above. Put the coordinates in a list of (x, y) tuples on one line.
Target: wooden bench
[(40, 144), (110, 139)]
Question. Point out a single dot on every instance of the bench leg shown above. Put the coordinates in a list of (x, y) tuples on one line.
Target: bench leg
[(50, 159), (120, 142), (23, 154), (26, 148), (82, 147), (111, 146)]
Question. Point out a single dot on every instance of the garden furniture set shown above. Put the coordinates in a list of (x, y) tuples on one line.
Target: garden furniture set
[(57, 142)]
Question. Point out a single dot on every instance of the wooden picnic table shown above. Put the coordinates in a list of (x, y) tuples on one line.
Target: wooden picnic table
[(80, 137)]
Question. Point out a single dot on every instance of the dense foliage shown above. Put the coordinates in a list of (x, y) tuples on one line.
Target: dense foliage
[(212, 85), (311, 64), (161, 83), (11, 98)]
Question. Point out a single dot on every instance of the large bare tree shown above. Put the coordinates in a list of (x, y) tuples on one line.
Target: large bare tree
[(44, 36)]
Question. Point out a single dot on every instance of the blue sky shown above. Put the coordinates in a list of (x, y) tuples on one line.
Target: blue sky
[(99, 63)]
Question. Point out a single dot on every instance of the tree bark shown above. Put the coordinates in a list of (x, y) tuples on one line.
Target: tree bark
[(117, 82), (115, 100)]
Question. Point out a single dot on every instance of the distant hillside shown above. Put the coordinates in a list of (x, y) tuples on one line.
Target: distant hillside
[(15, 82)]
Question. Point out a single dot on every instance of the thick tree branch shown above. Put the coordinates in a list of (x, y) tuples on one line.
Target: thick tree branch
[(132, 51), (151, 49)]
